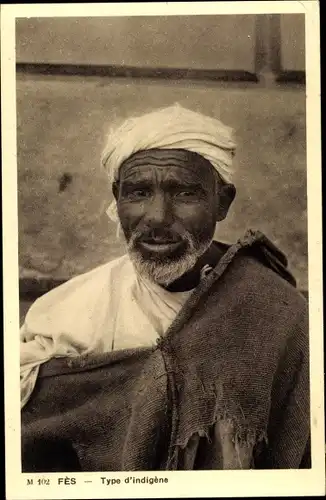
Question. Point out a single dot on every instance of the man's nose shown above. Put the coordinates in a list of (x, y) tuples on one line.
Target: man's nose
[(159, 210)]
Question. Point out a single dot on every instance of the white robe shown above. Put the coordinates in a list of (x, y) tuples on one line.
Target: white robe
[(108, 308)]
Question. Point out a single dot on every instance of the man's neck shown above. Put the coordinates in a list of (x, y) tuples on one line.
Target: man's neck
[(191, 278)]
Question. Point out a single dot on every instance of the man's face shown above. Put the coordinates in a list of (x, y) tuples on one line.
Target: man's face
[(167, 202)]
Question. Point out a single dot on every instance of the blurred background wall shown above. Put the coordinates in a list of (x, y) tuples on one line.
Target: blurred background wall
[(75, 76)]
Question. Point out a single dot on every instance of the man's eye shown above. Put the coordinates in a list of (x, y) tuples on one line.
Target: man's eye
[(185, 194), (139, 193)]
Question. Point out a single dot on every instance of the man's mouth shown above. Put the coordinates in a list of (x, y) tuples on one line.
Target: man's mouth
[(160, 245)]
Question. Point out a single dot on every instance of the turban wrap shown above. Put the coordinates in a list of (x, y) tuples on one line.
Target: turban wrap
[(173, 127)]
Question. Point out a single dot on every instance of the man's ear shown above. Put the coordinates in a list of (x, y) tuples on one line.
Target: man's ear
[(115, 190), (226, 196)]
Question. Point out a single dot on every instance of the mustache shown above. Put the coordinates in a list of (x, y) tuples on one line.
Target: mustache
[(160, 234)]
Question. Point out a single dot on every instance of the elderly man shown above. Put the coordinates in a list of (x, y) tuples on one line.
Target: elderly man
[(185, 353)]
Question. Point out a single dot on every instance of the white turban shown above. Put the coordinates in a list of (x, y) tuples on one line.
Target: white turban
[(173, 127)]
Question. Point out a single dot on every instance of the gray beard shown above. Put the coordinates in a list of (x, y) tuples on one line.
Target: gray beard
[(166, 273)]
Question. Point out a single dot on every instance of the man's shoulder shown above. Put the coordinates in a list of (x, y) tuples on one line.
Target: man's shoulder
[(266, 282), (85, 286), (259, 269)]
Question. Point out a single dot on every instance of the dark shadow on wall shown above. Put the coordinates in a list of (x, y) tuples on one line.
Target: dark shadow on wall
[(136, 72)]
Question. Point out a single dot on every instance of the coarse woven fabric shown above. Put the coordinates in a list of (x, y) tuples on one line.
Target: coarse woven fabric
[(226, 388)]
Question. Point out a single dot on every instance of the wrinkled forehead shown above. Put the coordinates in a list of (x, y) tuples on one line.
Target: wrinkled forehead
[(169, 163)]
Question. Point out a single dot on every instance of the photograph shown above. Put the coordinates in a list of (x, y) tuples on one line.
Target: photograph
[(165, 274)]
